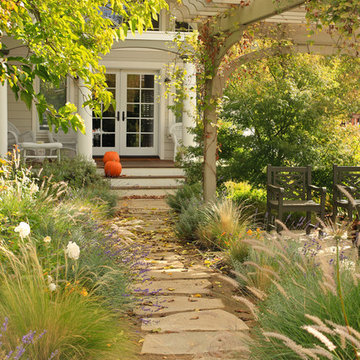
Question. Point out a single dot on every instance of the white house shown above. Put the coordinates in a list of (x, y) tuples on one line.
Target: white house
[(141, 123)]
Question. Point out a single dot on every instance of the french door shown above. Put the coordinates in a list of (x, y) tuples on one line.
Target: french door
[(131, 127)]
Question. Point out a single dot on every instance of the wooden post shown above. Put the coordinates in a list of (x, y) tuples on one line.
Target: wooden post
[(3, 120), (84, 141)]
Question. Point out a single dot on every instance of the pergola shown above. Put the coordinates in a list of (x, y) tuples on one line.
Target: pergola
[(232, 18)]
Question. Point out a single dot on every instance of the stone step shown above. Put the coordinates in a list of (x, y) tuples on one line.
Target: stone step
[(199, 286), (148, 171), (195, 342), (207, 320), (143, 193), (169, 274), (124, 182), (170, 304)]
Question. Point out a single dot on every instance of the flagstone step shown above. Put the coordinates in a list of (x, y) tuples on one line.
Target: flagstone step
[(170, 304), (190, 286), (169, 274), (208, 320), (194, 342)]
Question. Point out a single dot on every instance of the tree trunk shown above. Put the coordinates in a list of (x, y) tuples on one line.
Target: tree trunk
[(210, 144)]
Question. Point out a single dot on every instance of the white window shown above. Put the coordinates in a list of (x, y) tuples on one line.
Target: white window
[(54, 95)]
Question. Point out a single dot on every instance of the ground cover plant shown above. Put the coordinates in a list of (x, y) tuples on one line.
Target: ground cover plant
[(63, 270)]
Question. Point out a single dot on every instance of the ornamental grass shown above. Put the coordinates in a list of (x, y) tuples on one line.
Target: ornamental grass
[(307, 296), (77, 324)]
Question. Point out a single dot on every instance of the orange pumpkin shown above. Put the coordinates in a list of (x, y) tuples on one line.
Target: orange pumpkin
[(111, 156), (112, 169)]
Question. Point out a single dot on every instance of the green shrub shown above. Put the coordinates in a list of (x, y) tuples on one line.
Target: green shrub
[(184, 196), (190, 218), (78, 172), (244, 193)]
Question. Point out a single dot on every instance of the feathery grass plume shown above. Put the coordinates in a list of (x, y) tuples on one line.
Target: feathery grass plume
[(248, 304), (343, 331), (299, 350), (268, 270), (323, 352), (328, 343), (280, 288), (261, 295)]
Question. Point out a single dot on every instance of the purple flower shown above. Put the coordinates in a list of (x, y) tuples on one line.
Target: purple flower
[(28, 338), (5, 324)]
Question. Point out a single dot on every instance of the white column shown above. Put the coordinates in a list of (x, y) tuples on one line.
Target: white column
[(189, 104), (3, 120), (84, 141)]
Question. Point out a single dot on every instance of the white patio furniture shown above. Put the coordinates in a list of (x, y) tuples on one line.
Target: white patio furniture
[(68, 140), (15, 137), (176, 135), (33, 150)]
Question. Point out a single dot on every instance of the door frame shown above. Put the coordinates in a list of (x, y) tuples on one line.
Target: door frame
[(122, 106), (120, 94)]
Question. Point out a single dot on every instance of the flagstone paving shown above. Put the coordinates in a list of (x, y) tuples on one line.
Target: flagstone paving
[(187, 310)]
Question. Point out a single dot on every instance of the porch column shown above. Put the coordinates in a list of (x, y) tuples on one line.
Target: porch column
[(84, 141), (189, 104), (3, 119)]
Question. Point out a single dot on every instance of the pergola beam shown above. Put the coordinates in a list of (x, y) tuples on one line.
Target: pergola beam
[(257, 10)]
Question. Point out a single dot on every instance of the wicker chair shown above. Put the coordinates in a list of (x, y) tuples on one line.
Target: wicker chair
[(15, 137), (68, 140), (176, 134)]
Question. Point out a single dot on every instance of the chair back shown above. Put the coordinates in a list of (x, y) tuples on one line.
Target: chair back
[(67, 139), (347, 176), (13, 128), (294, 181)]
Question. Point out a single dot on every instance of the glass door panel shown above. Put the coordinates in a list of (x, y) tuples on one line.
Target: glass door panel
[(104, 128), (139, 127)]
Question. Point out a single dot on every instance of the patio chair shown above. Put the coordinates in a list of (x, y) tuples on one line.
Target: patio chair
[(289, 189), (68, 140), (15, 137), (176, 135), (346, 193)]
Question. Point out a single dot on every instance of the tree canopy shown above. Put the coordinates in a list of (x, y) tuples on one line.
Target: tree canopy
[(65, 38), (288, 110)]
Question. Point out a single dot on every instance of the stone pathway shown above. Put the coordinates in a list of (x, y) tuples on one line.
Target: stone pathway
[(187, 310)]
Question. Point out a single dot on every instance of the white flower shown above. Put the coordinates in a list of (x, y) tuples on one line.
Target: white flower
[(49, 279), (47, 239), (52, 287), (72, 250), (23, 229)]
